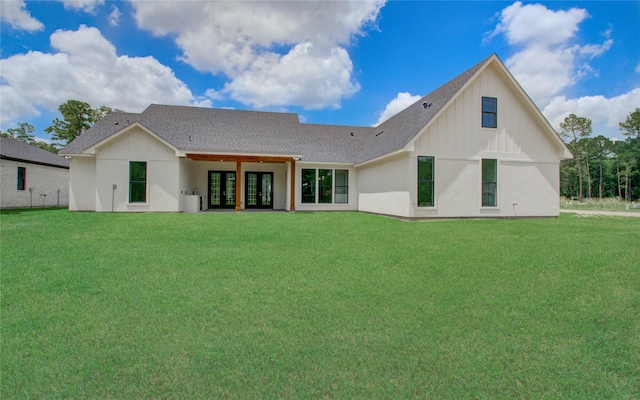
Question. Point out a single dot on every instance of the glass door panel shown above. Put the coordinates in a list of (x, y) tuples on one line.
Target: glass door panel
[(230, 190), (252, 189), (265, 190), (222, 189), (214, 189), (259, 190)]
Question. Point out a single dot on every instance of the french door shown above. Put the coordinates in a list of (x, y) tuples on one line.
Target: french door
[(222, 189), (258, 191)]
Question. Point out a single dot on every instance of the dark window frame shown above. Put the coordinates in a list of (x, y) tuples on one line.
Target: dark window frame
[(316, 190), (341, 190), (489, 183), (489, 112), (22, 178), (325, 186), (137, 182), (425, 180), (308, 188)]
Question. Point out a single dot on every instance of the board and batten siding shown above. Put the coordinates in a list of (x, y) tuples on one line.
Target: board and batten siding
[(527, 154), (528, 158)]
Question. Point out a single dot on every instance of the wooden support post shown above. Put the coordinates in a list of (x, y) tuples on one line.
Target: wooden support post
[(238, 184), (292, 203)]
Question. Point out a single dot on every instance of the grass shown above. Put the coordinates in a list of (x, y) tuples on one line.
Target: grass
[(318, 305), (606, 204)]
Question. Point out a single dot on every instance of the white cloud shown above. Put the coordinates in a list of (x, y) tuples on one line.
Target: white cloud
[(536, 23), (302, 76), (402, 101), (88, 6), (596, 50), (547, 62), (259, 45), (86, 67), (605, 113), (14, 106), (15, 14), (114, 17)]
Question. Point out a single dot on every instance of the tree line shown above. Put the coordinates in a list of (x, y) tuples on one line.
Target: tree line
[(77, 117), (601, 167)]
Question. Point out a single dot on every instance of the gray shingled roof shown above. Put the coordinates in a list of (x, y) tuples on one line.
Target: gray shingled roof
[(193, 129), (13, 149)]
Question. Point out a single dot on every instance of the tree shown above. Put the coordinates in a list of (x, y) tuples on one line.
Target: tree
[(631, 126), (51, 147), (631, 129), (601, 146), (573, 128), (77, 117), (24, 132)]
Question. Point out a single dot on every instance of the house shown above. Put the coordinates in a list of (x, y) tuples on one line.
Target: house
[(31, 177), (475, 147)]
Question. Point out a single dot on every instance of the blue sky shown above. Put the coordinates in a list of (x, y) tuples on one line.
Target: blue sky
[(352, 63)]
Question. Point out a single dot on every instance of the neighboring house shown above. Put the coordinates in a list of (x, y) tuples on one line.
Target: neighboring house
[(31, 177), (475, 147)]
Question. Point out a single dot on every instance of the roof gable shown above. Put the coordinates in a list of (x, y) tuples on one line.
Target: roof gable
[(107, 126), (399, 131), (548, 129), (396, 132), (128, 128)]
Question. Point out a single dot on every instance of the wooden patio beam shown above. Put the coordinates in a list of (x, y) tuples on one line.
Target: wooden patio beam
[(238, 184), (292, 203), (232, 158)]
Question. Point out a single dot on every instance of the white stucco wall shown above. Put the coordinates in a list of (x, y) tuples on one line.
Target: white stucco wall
[(384, 187), (112, 167), (529, 189), (82, 184), (41, 179), (351, 205)]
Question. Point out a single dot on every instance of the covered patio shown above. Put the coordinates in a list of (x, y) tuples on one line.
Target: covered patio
[(241, 182)]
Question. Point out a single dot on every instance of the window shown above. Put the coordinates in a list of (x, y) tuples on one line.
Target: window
[(137, 182), (489, 182), (425, 181), (489, 112), (308, 185), (22, 178), (325, 186), (342, 186)]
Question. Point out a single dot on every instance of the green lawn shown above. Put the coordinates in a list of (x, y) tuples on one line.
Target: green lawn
[(318, 305)]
